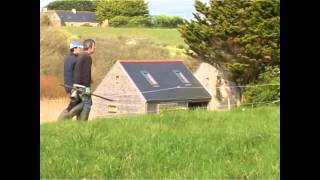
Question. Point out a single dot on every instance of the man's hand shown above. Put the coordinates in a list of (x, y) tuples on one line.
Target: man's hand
[(73, 94), (87, 91)]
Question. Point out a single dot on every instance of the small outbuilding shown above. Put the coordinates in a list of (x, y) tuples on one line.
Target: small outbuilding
[(141, 86)]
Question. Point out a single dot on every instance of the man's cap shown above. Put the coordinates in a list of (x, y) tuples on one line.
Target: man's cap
[(75, 44)]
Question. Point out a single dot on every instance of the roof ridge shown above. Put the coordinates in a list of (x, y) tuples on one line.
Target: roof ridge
[(70, 10), (150, 60)]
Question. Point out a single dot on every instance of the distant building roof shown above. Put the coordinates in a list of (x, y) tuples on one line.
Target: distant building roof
[(165, 80), (77, 16)]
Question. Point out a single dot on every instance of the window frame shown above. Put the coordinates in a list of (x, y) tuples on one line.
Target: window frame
[(182, 77), (149, 78)]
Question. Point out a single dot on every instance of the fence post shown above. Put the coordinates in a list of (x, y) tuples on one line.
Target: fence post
[(229, 104)]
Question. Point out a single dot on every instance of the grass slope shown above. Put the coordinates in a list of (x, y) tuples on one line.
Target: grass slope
[(166, 36), (193, 144)]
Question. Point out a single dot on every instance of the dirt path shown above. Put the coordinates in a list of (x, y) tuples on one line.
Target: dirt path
[(51, 108)]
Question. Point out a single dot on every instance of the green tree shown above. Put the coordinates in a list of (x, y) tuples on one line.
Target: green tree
[(270, 75), (240, 36), (108, 9), (80, 5)]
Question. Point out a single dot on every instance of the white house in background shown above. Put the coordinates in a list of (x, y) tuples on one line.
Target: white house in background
[(70, 17)]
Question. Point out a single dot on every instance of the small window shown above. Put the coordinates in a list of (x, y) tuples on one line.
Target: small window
[(149, 78), (112, 109), (117, 79), (182, 78)]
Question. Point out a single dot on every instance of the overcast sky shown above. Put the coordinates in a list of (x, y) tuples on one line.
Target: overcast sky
[(183, 8)]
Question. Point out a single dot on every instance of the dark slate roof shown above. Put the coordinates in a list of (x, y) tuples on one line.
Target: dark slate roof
[(80, 16), (163, 72)]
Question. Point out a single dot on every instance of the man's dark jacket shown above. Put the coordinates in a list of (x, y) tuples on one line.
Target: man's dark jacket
[(69, 65), (82, 70)]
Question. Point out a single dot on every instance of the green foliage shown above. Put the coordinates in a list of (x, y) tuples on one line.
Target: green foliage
[(166, 21), (236, 35), (172, 145), (108, 9), (271, 75), (119, 21), (139, 21), (135, 21), (79, 5), (180, 46)]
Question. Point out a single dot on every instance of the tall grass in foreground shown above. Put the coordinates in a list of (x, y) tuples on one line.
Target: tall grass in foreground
[(192, 144)]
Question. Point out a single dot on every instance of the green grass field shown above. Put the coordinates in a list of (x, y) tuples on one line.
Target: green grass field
[(166, 36), (194, 144)]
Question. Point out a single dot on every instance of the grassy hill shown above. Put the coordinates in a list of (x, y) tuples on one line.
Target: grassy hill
[(112, 44), (168, 36), (193, 144)]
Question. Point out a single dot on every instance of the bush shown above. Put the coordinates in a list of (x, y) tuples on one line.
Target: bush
[(119, 21), (140, 21), (271, 75), (180, 46), (135, 21), (166, 21)]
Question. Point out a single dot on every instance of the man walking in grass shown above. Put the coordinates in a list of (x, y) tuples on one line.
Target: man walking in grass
[(69, 65), (82, 77)]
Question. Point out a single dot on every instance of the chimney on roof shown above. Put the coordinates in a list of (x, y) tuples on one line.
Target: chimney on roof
[(74, 11)]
